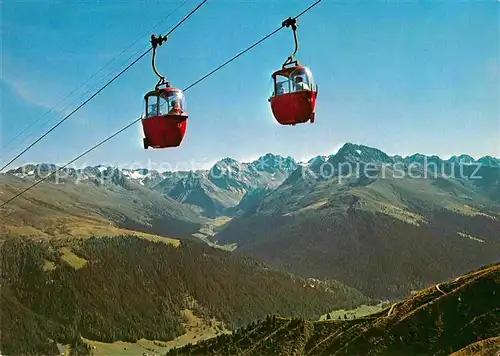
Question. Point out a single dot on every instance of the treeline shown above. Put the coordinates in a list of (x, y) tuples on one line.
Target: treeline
[(245, 338), (131, 288)]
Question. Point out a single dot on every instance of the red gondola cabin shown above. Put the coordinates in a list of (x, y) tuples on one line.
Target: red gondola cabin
[(165, 122), (294, 97)]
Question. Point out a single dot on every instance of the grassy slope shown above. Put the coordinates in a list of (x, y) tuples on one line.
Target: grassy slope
[(435, 321), (361, 311), (126, 288), (80, 210), (196, 329), (487, 347)]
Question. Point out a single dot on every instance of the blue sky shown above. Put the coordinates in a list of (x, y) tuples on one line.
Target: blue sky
[(401, 76)]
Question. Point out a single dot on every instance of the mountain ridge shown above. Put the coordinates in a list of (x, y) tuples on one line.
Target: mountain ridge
[(27, 170), (459, 317), (217, 191)]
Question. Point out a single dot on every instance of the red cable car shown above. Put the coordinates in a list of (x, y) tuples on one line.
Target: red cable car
[(165, 120), (294, 97)]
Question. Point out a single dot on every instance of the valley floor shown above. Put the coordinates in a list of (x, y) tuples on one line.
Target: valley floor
[(361, 311), (197, 329)]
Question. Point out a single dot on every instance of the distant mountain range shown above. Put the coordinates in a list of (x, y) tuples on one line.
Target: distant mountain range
[(218, 190), (405, 221), (214, 190)]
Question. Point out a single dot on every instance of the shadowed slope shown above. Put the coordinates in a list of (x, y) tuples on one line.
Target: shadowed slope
[(460, 316), (486, 347), (386, 237)]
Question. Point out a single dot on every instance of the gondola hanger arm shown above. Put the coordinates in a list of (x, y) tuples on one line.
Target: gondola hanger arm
[(155, 42), (292, 22)]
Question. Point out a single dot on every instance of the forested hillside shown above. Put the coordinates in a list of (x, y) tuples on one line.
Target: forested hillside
[(461, 315), (127, 288)]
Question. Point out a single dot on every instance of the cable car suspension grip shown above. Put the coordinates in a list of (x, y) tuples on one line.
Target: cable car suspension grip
[(292, 22), (158, 41)]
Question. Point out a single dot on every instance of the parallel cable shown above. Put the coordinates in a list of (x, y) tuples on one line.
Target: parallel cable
[(81, 95), (137, 120), (100, 90), (233, 58), (75, 110), (85, 82), (85, 92), (249, 48)]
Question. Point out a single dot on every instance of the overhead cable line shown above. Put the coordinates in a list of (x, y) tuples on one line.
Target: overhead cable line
[(85, 82), (137, 120), (72, 103), (249, 48), (101, 89)]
